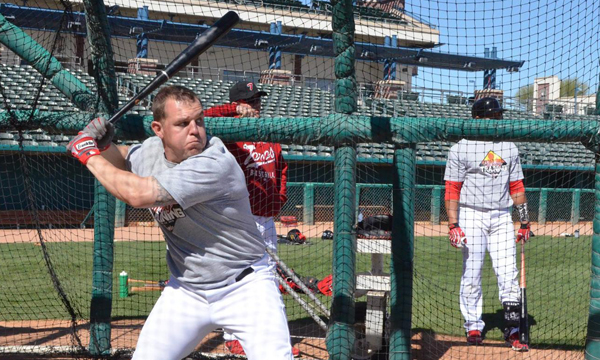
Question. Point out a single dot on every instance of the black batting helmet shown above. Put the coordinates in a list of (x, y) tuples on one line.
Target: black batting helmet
[(327, 235), (487, 107)]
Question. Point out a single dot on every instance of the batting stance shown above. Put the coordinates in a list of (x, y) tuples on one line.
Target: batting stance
[(220, 276), (483, 179)]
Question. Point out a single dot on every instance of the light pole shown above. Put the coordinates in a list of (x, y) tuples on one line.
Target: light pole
[(575, 99), (469, 95)]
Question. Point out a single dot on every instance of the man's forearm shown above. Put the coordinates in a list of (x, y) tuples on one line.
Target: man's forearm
[(452, 211), (520, 203), (116, 156), (130, 188), (519, 198)]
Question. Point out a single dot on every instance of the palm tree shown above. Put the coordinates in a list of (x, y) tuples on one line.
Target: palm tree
[(568, 86), (525, 96), (567, 89)]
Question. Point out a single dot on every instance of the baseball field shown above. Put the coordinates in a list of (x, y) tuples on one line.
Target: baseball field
[(557, 275)]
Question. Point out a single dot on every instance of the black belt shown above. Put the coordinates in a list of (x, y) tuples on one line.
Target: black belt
[(243, 274)]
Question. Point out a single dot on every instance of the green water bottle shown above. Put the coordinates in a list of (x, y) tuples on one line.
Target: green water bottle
[(123, 288)]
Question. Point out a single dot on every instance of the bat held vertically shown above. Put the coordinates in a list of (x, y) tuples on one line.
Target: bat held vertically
[(524, 322)]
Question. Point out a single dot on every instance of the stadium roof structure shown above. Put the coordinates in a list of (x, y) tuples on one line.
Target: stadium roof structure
[(162, 30)]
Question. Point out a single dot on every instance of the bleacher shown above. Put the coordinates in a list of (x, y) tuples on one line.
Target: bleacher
[(20, 84), (374, 13)]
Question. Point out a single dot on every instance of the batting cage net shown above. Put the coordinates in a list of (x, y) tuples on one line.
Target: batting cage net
[(394, 152)]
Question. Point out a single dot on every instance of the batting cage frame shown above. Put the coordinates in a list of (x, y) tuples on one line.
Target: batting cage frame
[(342, 130)]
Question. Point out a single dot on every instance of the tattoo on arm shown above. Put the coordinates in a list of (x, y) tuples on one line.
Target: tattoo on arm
[(162, 195), (523, 213)]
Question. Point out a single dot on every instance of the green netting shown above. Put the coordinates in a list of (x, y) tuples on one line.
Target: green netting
[(367, 99)]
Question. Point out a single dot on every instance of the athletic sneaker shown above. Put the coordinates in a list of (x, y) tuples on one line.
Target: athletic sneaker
[(474, 337), (235, 348), (516, 345)]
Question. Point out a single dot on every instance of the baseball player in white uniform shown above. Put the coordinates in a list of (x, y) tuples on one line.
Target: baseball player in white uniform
[(483, 180), (220, 276)]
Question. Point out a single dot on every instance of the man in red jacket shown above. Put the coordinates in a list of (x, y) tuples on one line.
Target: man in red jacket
[(264, 168)]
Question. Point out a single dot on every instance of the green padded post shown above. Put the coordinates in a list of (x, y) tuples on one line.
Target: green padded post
[(340, 334), (436, 201), (101, 54), (592, 346), (342, 24), (543, 207), (401, 268), (101, 305), (47, 65), (575, 206), (120, 213), (308, 215)]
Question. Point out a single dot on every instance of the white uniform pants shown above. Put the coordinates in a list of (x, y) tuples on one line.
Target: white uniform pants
[(266, 226), (267, 229), (490, 230), (251, 308)]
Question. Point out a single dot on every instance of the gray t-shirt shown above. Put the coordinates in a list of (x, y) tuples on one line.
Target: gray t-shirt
[(486, 169), (210, 233)]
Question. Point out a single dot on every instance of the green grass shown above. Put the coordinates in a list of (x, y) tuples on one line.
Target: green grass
[(558, 277)]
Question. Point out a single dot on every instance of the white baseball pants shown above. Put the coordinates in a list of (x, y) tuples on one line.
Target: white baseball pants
[(490, 230), (267, 229), (251, 308)]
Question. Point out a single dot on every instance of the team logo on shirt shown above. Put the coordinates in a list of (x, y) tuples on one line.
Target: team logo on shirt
[(256, 159), (493, 164), (167, 215)]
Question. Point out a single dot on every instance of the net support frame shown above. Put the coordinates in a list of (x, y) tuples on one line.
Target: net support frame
[(401, 266), (104, 217), (592, 346)]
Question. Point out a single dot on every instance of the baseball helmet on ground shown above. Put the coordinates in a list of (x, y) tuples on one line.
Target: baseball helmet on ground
[(296, 237), (487, 107), (327, 235)]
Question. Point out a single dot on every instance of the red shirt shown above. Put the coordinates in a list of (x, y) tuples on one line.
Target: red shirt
[(263, 165)]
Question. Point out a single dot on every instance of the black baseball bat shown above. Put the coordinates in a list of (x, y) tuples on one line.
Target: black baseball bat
[(524, 321), (197, 47)]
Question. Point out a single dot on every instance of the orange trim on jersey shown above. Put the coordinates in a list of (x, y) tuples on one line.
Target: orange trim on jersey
[(517, 187), (453, 190)]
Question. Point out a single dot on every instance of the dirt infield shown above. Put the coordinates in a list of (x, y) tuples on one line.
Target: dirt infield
[(124, 334), (149, 232)]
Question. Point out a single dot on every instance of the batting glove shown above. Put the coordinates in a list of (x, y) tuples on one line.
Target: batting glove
[(83, 147), (102, 131), (457, 236), (524, 233)]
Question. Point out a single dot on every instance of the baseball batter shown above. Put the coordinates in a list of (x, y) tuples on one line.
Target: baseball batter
[(265, 171), (220, 274), (483, 180)]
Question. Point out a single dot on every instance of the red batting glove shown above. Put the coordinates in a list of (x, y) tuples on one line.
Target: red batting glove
[(524, 233), (83, 147), (457, 236)]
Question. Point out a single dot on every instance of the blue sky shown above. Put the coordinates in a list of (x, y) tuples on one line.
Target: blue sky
[(552, 37)]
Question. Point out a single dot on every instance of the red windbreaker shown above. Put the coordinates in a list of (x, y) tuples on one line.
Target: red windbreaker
[(263, 165)]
